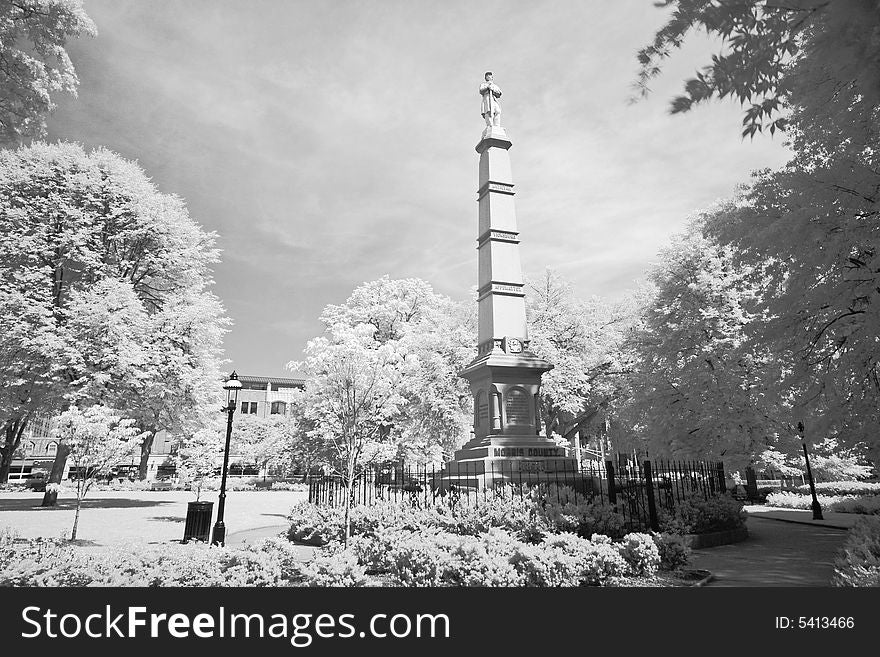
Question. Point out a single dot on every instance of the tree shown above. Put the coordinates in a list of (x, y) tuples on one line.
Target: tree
[(106, 294), (262, 440), (819, 56), (198, 455), (813, 223), (354, 392), (305, 448), (96, 438), (438, 337), (29, 76), (585, 341), (704, 388)]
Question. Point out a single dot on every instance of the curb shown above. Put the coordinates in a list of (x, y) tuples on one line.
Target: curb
[(809, 523), (715, 539), (707, 577)]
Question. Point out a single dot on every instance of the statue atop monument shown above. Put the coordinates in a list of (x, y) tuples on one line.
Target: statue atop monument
[(490, 108)]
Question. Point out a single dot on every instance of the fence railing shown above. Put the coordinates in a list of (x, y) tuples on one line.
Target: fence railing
[(640, 490)]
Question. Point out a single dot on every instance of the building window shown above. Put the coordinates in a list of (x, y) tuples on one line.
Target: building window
[(30, 449), (279, 408), (244, 407), (51, 448), (249, 407)]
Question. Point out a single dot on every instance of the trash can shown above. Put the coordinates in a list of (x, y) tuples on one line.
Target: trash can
[(198, 521)]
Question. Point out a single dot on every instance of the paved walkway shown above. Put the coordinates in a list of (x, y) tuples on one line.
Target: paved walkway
[(829, 518), (784, 548)]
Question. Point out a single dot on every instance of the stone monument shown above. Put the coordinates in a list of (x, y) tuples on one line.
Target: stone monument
[(505, 377)]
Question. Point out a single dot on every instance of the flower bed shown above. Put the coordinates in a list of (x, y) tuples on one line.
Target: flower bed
[(868, 505), (539, 539)]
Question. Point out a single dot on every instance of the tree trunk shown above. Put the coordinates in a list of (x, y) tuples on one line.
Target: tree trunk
[(50, 497), (75, 519), (146, 447), (13, 432), (349, 494)]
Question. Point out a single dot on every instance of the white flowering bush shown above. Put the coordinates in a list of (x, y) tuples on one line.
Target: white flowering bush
[(432, 557), (53, 562), (528, 517), (338, 568), (289, 485), (858, 564), (843, 488), (640, 553), (603, 564), (790, 500)]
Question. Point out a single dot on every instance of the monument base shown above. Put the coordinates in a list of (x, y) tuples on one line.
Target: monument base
[(511, 459)]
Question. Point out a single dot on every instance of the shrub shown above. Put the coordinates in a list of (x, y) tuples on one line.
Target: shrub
[(843, 488), (869, 505), (338, 568), (290, 485), (859, 561), (674, 552), (53, 562), (790, 500), (698, 515), (497, 558), (640, 552)]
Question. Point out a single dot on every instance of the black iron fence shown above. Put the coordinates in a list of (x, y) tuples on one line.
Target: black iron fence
[(640, 490)]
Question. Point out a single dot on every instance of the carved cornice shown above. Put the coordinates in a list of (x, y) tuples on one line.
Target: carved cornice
[(500, 287), (492, 186), (509, 236)]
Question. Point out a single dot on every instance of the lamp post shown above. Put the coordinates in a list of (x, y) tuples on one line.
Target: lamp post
[(817, 508), (232, 386)]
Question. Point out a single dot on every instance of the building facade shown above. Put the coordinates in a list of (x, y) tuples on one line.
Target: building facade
[(260, 395)]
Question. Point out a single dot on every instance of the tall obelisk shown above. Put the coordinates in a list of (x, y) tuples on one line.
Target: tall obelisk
[(505, 377)]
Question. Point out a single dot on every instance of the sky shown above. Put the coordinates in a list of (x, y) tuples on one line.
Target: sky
[(331, 142)]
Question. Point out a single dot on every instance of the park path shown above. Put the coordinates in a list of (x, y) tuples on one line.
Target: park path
[(776, 553)]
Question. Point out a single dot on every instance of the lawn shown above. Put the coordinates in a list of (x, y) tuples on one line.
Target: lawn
[(113, 517)]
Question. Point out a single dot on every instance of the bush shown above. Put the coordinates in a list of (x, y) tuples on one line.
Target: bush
[(843, 488), (869, 505), (641, 553), (698, 515), (334, 569), (496, 558), (53, 562), (798, 501), (290, 485), (674, 552), (859, 562)]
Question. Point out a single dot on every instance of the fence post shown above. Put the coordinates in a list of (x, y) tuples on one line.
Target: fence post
[(652, 505), (751, 484), (722, 485), (612, 487)]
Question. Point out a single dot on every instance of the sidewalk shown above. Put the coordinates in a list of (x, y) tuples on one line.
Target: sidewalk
[(802, 516), (784, 548)]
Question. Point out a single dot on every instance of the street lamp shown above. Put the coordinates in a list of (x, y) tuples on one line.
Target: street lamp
[(817, 508), (232, 386)]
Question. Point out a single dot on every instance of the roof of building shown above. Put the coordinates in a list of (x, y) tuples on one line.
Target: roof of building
[(274, 380)]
